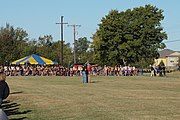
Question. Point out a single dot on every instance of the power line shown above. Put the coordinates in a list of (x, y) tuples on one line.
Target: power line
[(74, 28), (172, 41)]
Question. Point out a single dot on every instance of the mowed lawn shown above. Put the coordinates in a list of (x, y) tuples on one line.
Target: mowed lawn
[(105, 98)]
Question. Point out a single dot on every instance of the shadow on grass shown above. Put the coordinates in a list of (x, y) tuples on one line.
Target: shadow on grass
[(12, 109), (16, 92), (94, 81)]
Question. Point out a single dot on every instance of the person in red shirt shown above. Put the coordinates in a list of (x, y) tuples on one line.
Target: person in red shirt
[(89, 67)]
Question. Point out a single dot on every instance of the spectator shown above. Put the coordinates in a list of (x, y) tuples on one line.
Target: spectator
[(84, 77), (4, 88), (152, 71)]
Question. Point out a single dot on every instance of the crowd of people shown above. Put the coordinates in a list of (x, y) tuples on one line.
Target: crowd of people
[(158, 70), (76, 70)]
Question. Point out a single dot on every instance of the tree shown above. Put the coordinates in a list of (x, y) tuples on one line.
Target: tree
[(7, 42), (82, 49), (31, 48), (129, 37), (15, 44), (161, 63), (68, 55), (44, 46), (21, 42), (12, 43)]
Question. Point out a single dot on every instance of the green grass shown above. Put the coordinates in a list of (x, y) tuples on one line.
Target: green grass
[(106, 98)]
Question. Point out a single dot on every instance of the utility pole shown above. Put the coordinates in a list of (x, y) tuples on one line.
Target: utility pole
[(74, 28), (61, 23)]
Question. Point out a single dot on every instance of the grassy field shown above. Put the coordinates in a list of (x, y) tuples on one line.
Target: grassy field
[(105, 98)]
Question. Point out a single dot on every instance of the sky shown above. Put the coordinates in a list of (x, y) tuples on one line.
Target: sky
[(39, 17)]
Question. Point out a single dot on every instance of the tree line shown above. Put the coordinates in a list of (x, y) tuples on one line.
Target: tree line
[(126, 37), (16, 44)]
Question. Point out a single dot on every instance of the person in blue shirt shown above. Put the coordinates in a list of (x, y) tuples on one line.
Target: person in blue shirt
[(84, 76)]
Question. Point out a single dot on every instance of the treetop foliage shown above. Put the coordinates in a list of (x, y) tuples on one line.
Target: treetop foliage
[(16, 44), (129, 36)]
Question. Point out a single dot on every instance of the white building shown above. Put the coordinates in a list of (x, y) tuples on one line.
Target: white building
[(169, 57), (172, 59)]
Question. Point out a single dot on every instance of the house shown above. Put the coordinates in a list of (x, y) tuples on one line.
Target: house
[(172, 59), (169, 57)]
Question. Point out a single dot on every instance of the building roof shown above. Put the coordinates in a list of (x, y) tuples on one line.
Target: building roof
[(166, 52), (175, 54)]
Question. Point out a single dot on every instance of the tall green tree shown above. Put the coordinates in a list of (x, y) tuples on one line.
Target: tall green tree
[(82, 50), (15, 44), (44, 45), (31, 48), (21, 42), (7, 40), (52, 51), (130, 36), (12, 42), (47, 48), (68, 54)]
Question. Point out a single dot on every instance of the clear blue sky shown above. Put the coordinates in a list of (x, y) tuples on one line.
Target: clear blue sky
[(38, 17)]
